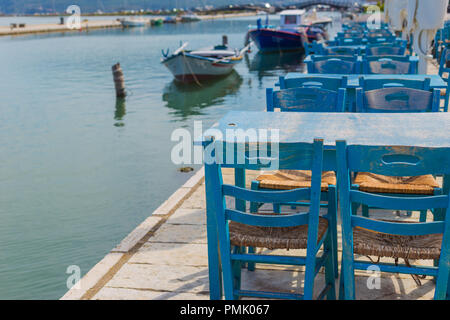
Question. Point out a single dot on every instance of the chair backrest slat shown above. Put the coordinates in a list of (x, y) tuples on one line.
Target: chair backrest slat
[(387, 67), (397, 99), (398, 203), (406, 229), (372, 84), (335, 66), (306, 99), (398, 160), (340, 50), (278, 220), (266, 196), (328, 83), (384, 50)]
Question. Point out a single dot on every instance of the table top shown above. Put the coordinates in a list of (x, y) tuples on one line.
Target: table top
[(400, 129), (436, 80)]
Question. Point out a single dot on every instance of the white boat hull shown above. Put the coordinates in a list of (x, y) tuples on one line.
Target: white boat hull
[(187, 68), (127, 23)]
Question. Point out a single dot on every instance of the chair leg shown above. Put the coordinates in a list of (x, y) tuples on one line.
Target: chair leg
[(310, 266), (348, 270), (276, 208), (237, 267), (330, 274), (332, 214), (365, 211), (423, 216), (341, 281), (253, 208), (442, 280), (251, 265)]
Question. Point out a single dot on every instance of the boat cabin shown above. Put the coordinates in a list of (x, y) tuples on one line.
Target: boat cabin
[(291, 19)]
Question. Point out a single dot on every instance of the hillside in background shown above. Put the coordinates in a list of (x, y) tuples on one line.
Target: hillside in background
[(53, 6)]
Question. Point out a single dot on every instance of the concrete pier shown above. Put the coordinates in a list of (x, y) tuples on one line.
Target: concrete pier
[(93, 24), (47, 28)]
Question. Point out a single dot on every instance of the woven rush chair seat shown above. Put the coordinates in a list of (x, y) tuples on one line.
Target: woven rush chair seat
[(372, 243), (273, 237), (370, 182), (292, 179)]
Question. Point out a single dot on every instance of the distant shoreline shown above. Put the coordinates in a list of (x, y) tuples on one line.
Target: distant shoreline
[(87, 25), (127, 13)]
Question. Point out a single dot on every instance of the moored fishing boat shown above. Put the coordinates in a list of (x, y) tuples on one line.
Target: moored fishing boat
[(295, 30), (196, 65), (190, 17), (170, 19), (134, 22), (157, 22)]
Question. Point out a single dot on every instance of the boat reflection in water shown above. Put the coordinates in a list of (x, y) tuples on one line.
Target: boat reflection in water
[(188, 99), (270, 64)]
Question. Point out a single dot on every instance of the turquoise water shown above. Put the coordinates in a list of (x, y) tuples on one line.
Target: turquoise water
[(79, 171)]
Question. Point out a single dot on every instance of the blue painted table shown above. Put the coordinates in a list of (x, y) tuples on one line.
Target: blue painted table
[(406, 129), (353, 81)]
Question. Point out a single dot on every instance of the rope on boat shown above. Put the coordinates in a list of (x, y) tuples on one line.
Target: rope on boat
[(190, 69)]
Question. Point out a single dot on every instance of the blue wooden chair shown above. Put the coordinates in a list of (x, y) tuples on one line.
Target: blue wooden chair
[(396, 99), (389, 66), (321, 81), (309, 98), (413, 64), (340, 51), (384, 238), (372, 84), (307, 230), (444, 67), (334, 65)]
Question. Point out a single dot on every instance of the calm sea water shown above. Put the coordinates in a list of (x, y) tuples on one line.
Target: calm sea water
[(78, 170)]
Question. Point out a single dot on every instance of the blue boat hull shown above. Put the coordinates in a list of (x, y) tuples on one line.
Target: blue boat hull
[(276, 40)]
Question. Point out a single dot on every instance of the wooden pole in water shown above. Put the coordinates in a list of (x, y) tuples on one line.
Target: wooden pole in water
[(224, 40), (118, 81)]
